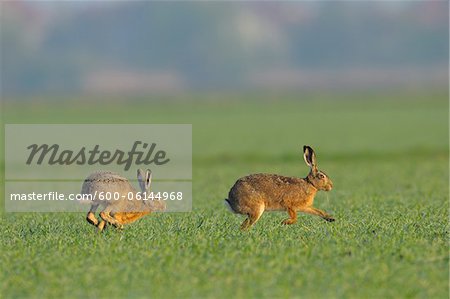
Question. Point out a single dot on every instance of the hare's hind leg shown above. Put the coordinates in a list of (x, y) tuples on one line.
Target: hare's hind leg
[(91, 215), (93, 220), (252, 217), (317, 212), (106, 216), (292, 217)]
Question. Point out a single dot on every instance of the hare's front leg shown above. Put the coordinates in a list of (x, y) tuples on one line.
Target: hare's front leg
[(292, 217), (106, 216), (317, 212)]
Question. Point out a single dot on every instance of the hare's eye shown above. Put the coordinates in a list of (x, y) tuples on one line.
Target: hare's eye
[(321, 176)]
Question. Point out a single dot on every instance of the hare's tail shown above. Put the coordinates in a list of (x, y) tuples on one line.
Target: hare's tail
[(228, 205)]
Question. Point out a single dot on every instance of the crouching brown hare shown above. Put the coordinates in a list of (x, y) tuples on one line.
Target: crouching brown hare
[(120, 201), (253, 194)]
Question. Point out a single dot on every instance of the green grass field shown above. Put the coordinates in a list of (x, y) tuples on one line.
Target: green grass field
[(387, 153)]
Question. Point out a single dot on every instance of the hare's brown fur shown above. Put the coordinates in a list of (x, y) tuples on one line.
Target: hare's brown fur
[(256, 193), (129, 217), (122, 211)]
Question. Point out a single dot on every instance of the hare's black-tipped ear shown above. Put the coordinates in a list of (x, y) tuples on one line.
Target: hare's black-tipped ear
[(148, 179), (310, 157)]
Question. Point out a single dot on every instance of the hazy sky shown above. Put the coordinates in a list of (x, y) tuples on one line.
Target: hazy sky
[(144, 46)]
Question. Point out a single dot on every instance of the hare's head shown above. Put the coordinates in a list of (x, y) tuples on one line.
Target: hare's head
[(316, 177), (145, 180)]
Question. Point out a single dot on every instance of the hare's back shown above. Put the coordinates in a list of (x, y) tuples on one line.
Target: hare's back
[(106, 181), (263, 184)]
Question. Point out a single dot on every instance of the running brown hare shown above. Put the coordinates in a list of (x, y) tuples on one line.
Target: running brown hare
[(123, 210), (256, 193)]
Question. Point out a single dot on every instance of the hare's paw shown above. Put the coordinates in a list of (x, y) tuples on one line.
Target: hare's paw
[(92, 219), (288, 221), (245, 225), (101, 225)]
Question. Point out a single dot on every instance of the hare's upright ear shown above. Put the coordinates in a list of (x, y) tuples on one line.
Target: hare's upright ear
[(144, 179), (148, 179), (310, 157)]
